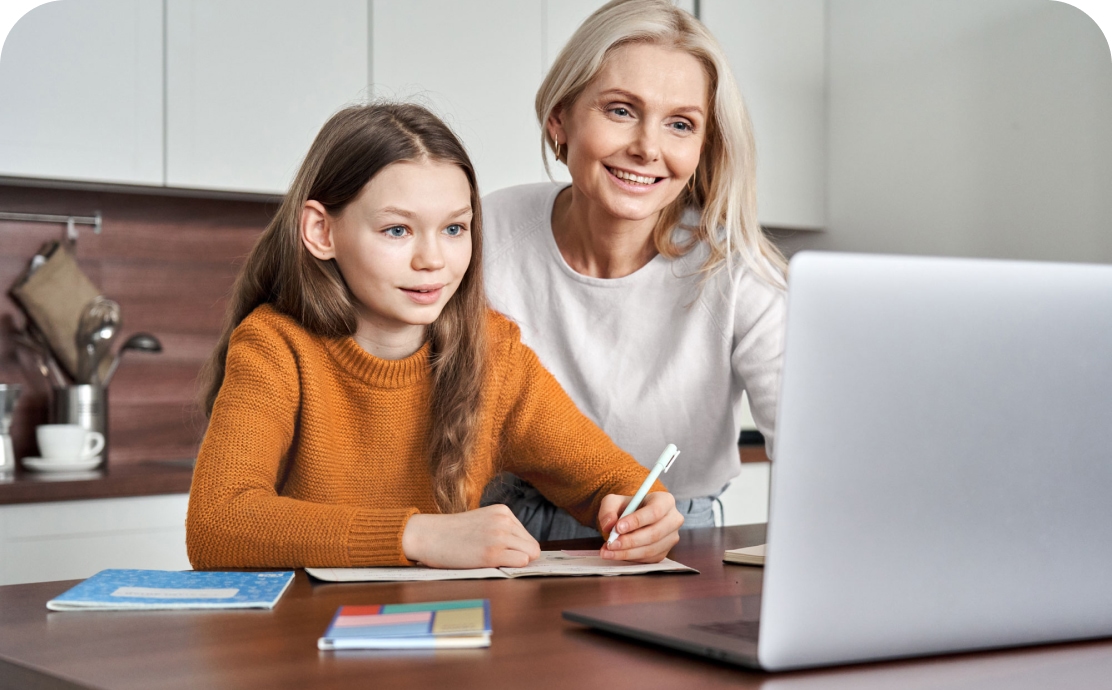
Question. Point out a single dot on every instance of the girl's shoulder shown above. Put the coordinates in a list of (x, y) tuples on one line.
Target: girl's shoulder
[(501, 330), (268, 327), (265, 317), (504, 345)]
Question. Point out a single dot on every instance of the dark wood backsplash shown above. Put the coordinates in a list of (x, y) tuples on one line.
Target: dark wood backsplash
[(170, 263)]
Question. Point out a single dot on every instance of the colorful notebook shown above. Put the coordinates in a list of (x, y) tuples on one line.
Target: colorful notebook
[(132, 590), (429, 625)]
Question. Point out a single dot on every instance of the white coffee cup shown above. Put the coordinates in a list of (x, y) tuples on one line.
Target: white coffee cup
[(68, 442)]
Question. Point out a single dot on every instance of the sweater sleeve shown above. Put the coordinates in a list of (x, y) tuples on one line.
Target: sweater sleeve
[(236, 519), (549, 443), (758, 351)]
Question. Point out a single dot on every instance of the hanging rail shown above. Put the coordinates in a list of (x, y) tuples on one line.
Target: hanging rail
[(71, 222)]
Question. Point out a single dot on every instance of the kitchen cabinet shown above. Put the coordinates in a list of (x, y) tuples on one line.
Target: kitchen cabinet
[(478, 66), (65, 540), (249, 83), (81, 93), (777, 53), (745, 501)]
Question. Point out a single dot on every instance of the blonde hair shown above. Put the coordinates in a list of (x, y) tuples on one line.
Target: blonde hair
[(724, 191), (351, 148)]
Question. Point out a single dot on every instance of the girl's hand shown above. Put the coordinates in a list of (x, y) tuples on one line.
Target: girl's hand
[(647, 534), (489, 537)]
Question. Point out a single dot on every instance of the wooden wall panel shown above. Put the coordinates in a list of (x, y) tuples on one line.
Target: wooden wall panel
[(170, 263)]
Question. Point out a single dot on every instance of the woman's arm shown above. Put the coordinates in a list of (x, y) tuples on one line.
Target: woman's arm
[(758, 352)]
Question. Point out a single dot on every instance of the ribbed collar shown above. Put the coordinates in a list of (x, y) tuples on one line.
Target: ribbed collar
[(380, 373)]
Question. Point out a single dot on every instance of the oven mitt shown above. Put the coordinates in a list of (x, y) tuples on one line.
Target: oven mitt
[(54, 295)]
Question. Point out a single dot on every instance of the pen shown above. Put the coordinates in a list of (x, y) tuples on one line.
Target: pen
[(663, 464)]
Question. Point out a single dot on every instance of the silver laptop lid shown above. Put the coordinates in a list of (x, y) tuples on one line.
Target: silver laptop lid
[(943, 472)]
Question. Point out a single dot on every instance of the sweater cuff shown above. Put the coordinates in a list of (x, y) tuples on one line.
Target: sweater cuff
[(375, 537)]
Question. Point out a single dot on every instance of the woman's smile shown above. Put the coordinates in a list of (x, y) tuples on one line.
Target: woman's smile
[(632, 181)]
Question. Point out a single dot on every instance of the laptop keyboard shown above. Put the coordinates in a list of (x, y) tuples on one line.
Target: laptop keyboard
[(746, 630)]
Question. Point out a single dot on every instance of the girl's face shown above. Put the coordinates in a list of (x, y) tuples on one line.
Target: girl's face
[(633, 137), (403, 245)]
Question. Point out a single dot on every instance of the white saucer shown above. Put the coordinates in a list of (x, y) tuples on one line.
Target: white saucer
[(74, 465)]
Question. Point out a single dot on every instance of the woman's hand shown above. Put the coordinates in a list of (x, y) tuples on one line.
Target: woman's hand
[(489, 537), (647, 534)]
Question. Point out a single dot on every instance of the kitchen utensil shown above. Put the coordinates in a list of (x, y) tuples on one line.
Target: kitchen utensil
[(24, 341), (53, 296), (140, 342), (98, 327), (52, 362), (9, 394), (86, 405)]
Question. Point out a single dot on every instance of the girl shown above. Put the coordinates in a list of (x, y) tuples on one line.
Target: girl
[(646, 285), (363, 394)]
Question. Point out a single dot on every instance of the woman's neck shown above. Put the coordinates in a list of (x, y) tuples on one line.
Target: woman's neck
[(597, 244)]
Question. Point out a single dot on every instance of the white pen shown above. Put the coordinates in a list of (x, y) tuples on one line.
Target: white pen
[(663, 464)]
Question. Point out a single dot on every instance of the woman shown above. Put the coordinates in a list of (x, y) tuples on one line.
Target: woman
[(646, 286)]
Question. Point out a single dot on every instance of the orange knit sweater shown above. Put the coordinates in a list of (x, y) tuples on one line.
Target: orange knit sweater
[(316, 453)]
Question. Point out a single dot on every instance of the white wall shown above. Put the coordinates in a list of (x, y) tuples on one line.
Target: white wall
[(777, 52), (967, 128)]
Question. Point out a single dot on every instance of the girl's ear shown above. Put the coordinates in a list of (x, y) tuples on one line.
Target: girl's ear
[(316, 231)]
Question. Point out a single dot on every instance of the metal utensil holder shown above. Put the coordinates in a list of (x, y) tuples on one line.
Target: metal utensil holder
[(9, 394), (86, 405)]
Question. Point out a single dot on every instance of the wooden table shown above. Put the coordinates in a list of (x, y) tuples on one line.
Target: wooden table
[(533, 647)]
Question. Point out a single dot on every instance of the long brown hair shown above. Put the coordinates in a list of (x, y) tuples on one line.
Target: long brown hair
[(351, 148)]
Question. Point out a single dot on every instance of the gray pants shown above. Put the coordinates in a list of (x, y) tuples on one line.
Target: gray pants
[(547, 522)]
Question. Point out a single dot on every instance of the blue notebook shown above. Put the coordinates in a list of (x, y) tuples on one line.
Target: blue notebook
[(144, 590), (428, 625)]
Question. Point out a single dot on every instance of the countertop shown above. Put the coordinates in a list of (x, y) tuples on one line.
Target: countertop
[(141, 479), (133, 479)]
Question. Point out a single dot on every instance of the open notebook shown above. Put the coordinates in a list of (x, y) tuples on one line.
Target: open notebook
[(550, 563)]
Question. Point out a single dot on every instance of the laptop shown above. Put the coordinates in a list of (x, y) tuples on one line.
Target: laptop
[(943, 471)]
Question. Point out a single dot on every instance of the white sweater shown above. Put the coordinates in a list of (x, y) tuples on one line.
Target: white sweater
[(649, 357)]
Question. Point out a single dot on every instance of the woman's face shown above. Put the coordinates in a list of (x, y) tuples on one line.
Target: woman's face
[(633, 137)]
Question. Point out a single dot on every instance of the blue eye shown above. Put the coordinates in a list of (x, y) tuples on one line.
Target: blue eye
[(620, 111), (682, 126), (396, 231), (454, 230)]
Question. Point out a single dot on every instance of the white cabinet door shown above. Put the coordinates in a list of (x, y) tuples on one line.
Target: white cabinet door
[(776, 50), (249, 83), (76, 539), (81, 93), (478, 66)]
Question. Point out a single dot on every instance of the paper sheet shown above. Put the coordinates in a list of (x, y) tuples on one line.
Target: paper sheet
[(563, 563), (414, 574), (571, 563)]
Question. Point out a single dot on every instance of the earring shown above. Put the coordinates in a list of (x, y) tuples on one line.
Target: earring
[(691, 184), (557, 150)]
